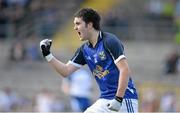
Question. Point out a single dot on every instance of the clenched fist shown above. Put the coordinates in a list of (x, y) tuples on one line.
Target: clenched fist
[(45, 46)]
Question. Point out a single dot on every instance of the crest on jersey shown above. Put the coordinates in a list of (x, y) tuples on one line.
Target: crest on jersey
[(102, 55)]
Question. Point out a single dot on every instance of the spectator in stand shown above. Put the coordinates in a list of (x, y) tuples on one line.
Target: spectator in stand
[(17, 51), (46, 101), (168, 102), (171, 63), (3, 19), (32, 54), (150, 101), (8, 100), (154, 9)]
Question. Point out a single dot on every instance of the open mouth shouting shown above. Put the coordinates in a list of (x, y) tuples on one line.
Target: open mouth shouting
[(79, 33)]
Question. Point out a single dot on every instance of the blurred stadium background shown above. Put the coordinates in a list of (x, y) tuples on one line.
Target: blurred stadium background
[(150, 30)]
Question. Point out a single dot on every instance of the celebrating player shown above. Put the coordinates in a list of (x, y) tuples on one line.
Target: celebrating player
[(104, 54)]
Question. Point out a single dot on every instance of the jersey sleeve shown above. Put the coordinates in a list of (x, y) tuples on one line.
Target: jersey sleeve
[(78, 58), (115, 48)]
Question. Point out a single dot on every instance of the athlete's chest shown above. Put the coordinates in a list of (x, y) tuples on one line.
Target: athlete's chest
[(95, 55), (98, 60)]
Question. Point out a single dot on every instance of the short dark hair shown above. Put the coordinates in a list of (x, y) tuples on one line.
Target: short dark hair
[(89, 15)]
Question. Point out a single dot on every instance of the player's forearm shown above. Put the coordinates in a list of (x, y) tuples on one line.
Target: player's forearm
[(60, 67), (123, 82)]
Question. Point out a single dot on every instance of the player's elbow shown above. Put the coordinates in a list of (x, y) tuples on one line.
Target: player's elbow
[(65, 74)]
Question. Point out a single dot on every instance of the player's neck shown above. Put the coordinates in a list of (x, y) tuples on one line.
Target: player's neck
[(94, 38)]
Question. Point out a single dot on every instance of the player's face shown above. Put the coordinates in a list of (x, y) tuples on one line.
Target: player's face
[(81, 28)]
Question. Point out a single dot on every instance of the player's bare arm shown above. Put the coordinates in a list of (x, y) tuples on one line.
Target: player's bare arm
[(124, 70), (62, 68), (123, 77)]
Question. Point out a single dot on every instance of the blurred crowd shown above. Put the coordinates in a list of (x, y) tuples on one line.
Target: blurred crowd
[(151, 100), (156, 101), (21, 18), (32, 20), (12, 13), (25, 22), (44, 101), (158, 14)]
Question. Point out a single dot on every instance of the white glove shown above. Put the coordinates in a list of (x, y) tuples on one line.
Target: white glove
[(114, 105)]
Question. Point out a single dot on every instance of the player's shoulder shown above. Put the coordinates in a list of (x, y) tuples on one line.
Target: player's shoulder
[(109, 35), (110, 38)]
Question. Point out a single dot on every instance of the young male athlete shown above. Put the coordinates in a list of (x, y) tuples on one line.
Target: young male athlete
[(104, 54)]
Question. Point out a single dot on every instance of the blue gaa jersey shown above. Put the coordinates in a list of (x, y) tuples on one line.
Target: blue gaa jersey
[(102, 60)]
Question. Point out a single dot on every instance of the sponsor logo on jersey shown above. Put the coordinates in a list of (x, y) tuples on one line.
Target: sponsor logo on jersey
[(99, 72)]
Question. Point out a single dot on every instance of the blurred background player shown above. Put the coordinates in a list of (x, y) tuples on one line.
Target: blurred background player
[(79, 86)]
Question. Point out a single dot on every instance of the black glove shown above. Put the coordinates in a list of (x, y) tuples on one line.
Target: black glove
[(45, 46)]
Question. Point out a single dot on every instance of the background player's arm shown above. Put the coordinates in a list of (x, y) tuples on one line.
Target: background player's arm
[(123, 77)]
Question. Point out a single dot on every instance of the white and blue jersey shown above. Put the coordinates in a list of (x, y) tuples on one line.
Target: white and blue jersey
[(102, 60)]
